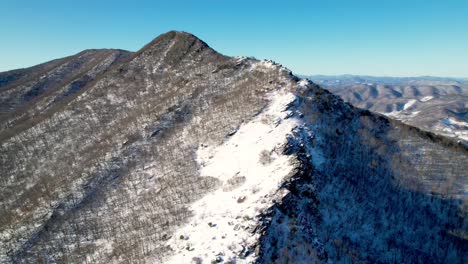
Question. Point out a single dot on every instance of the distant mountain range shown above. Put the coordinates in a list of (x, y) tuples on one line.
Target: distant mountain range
[(179, 154), (348, 79), (435, 104)]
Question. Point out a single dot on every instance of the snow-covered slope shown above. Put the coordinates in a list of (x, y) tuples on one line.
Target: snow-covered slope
[(180, 154), (251, 167)]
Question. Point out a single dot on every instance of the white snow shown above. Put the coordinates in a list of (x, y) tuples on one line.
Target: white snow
[(303, 82), (223, 220), (426, 98), (393, 114), (409, 104), (240, 58), (400, 115), (155, 68), (454, 128), (267, 66), (264, 65), (453, 122)]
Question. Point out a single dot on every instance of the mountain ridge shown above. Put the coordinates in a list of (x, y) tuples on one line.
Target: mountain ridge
[(42, 90), (144, 159)]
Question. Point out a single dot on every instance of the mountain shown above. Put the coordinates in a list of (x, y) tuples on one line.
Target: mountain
[(442, 109), (179, 154), (29, 94), (348, 79), (434, 104)]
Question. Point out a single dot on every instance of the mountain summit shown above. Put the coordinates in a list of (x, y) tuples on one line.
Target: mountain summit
[(178, 154)]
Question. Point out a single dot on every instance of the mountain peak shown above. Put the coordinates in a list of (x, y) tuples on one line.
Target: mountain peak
[(179, 35), (180, 40)]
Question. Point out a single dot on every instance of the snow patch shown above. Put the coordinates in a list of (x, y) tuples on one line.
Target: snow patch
[(241, 58), (266, 66), (409, 104), (426, 98), (454, 123), (393, 114), (303, 82), (251, 167), (454, 128), (269, 64), (163, 57)]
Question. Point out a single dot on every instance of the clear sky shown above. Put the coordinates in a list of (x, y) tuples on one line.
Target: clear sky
[(373, 37)]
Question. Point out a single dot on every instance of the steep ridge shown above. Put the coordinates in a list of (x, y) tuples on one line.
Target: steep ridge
[(180, 154), (124, 149), (368, 189), (29, 93)]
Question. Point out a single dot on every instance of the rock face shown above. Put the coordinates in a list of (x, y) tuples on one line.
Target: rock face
[(179, 154)]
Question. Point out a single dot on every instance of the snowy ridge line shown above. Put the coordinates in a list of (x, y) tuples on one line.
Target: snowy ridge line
[(252, 167), (281, 222)]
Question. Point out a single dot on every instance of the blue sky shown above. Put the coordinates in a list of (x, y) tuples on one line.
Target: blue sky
[(391, 38)]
